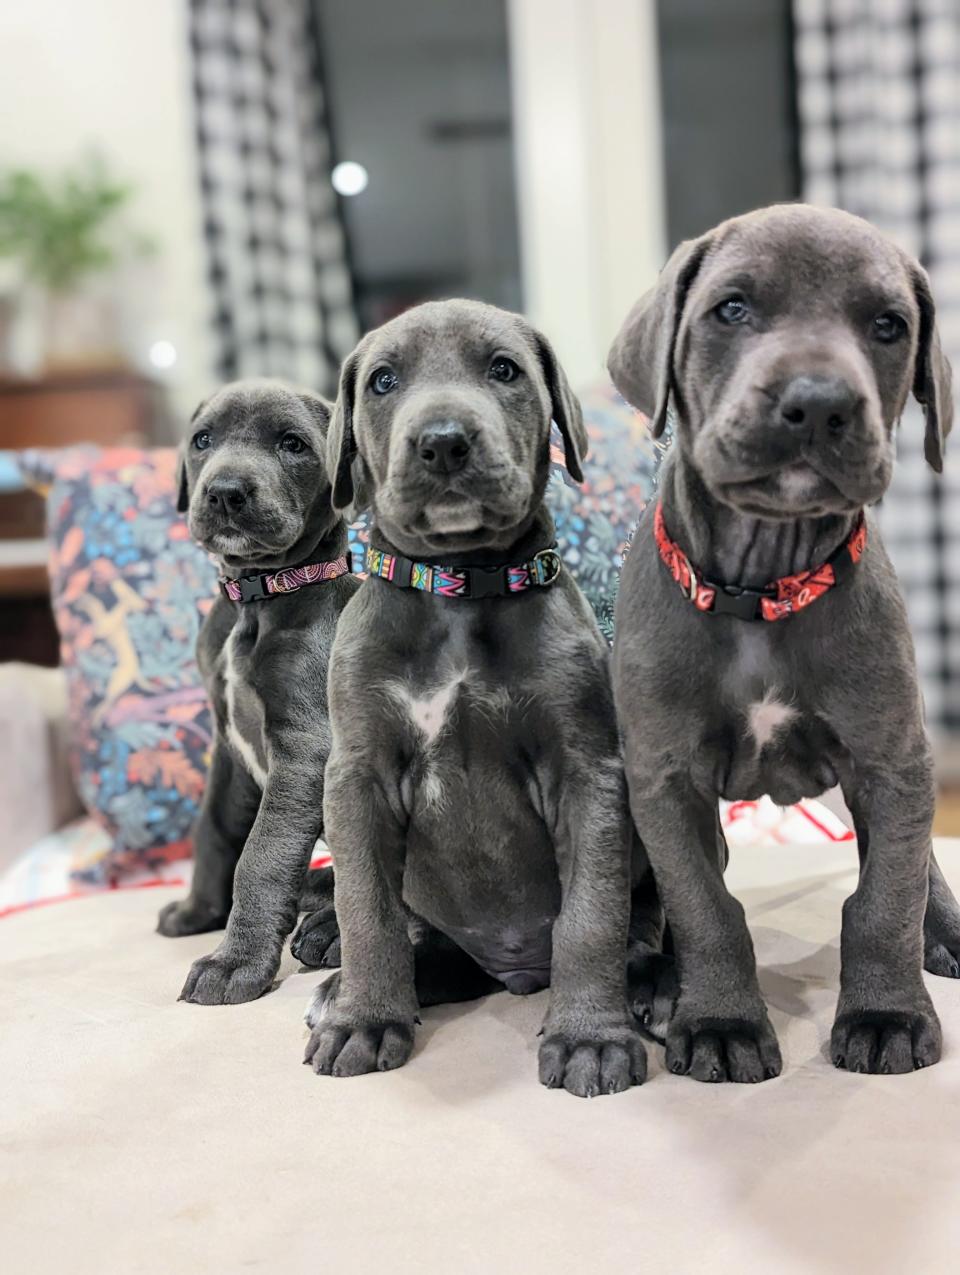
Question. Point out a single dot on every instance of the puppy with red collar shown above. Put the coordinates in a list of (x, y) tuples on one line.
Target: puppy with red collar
[(762, 643)]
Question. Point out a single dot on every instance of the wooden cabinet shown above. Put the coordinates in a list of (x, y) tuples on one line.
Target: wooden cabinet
[(84, 407), (110, 408)]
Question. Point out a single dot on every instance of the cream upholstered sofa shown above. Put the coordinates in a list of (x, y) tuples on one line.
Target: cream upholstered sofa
[(141, 1134)]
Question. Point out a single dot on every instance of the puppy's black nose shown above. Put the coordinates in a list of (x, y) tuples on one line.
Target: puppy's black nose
[(228, 494), (444, 447), (812, 403)]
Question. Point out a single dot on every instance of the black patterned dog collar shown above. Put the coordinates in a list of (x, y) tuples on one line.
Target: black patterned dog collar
[(466, 582)]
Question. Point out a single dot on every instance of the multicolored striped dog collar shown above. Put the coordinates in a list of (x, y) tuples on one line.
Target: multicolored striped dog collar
[(781, 598), (268, 584), (466, 582)]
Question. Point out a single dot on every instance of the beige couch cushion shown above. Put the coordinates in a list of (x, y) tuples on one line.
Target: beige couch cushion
[(138, 1134), (36, 792)]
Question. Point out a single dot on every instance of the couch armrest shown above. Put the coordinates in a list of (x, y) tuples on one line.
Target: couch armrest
[(37, 795)]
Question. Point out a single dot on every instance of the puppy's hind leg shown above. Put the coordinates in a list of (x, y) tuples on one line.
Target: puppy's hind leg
[(317, 892), (444, 973), (316, 942), (652, 985), (229, 808), (941, 927)]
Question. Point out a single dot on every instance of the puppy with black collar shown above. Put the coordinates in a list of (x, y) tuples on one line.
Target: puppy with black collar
[(475, 801), (253, 481)]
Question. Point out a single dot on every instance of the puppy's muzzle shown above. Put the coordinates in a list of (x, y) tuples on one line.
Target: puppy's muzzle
[(815, 407), (443, 447)]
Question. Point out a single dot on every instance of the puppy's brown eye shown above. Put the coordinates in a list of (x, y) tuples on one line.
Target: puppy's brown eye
[(733, 310), (292, 443), (384, 381), (889, 327), (201, 441), (504, 370)]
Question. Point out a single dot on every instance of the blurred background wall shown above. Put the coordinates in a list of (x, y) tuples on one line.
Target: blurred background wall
[(114, 76)]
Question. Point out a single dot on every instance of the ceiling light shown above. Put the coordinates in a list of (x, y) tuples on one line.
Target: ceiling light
[(349, 178)]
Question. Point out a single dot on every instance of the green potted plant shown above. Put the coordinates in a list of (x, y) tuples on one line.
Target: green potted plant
[(60, 232)]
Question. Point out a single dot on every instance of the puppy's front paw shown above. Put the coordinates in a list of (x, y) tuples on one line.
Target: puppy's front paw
[(885, 1041), (342, 1045), (740, 1048), (220, 979), (189, 916), (317, 940), (592, 1062)]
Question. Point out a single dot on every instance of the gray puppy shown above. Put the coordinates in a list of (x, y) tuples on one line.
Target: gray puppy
[(254, 479), (475, 800), (787, 342)]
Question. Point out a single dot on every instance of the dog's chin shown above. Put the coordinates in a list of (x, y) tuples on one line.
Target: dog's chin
[(786, 494), (449, 528), (241, 546), (453, 518)]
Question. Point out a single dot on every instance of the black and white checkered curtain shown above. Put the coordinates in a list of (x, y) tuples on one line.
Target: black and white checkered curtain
[(276, 249), (879, 106)]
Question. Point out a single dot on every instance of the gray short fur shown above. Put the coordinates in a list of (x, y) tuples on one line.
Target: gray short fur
[(475, 801), (714, 706), (265, 666)]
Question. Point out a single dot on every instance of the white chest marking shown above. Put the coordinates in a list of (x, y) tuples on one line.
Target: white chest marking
[(429, 712), (767, 716), (242, 747)]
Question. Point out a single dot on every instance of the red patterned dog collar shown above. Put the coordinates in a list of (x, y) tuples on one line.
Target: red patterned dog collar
[(779, 599), (268, 584)]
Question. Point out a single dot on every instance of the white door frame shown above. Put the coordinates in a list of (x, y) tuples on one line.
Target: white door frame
[(586, 114)]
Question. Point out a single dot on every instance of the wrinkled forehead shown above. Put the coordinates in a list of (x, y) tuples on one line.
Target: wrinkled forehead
[(443, 342), (245, 412), (808, 262)]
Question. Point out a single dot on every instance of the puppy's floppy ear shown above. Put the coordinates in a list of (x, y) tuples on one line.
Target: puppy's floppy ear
[(341, 444), (318, 407), (183, 491), (183, 488), (564, 408), (640, 361), (931, 374)]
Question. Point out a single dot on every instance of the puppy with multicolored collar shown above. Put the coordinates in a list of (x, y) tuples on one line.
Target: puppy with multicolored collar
[(254, 483), (475, 801)]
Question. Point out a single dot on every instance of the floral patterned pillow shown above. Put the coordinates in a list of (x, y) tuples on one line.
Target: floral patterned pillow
[(130, 590)]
